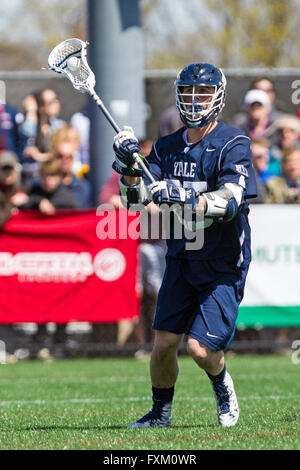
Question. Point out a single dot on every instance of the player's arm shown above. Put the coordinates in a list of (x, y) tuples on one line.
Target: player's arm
[(235, 182), (223, 203)]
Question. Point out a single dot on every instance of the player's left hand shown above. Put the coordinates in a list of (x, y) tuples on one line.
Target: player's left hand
[(163, 192)]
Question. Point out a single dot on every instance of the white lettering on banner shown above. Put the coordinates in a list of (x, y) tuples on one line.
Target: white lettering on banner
[(274, 273), (62, 267), (277, 254)]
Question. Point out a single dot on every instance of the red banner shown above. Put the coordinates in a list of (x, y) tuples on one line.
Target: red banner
[(56, 269)]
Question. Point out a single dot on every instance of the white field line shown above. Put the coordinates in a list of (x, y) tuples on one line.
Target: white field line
[(113, 379), (134, 399), (38, 380)]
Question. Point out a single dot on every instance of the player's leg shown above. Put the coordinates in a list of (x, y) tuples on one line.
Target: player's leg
[(164, 372), (211, 361), (212, 331), (163, 364), (176, 304), (220, 285), (214, 365)]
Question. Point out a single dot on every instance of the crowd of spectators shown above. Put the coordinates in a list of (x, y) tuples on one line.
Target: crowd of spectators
[(275, 144), (35, 136), (275, 141), (41, 165)]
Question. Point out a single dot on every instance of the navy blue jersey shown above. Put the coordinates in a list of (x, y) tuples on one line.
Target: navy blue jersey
[(222, 156)]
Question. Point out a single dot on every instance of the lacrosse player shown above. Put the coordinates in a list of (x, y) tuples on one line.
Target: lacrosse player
[(207, 165)]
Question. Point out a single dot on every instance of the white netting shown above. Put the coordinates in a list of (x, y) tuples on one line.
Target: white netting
[(82, 79)]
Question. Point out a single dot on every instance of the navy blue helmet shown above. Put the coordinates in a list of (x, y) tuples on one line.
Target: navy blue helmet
[(200, 93)]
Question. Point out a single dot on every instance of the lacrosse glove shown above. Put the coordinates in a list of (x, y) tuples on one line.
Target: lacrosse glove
[(125, 145), (163, 192)]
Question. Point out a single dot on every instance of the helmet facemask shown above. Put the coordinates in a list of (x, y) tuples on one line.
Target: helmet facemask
[(198, 100)]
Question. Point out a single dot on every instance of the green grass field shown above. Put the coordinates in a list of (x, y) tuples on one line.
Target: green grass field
[(87, 404)]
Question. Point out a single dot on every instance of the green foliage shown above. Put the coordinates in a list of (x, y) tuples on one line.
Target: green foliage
[(235, 33), (259, 31), (40, 27), (231, 33)]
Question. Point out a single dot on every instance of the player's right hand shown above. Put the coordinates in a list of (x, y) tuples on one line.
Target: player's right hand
[(163, 192), (125, 145)]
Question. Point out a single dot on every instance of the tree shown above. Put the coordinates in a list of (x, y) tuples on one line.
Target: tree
[(171, 28), (235, 33), (40, 27), (254, 33), (18, 57)]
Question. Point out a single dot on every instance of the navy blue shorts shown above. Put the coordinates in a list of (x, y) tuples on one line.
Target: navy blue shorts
[(201, 299)]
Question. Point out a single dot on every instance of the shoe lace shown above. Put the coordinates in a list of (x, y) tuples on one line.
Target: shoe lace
[(150, 416), (223, 397), (155, 414)]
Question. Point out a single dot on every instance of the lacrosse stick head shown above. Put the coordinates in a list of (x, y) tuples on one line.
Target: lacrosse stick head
[(81, 76)]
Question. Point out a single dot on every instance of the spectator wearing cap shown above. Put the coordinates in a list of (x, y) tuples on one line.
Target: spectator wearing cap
[(258, 107), (11, 192), (266, 84), (286, 132), (286, 188), (255, 118)]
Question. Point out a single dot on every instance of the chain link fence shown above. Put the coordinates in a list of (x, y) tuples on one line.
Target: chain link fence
[(159, 91)]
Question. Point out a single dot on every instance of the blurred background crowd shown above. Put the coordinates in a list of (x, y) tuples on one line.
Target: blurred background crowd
[(44, 160)]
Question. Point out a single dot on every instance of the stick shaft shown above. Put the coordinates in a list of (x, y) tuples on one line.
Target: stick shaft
[(115, 126), (105, 111)]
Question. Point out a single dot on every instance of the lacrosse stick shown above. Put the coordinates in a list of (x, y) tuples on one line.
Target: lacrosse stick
[(69, 57)]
